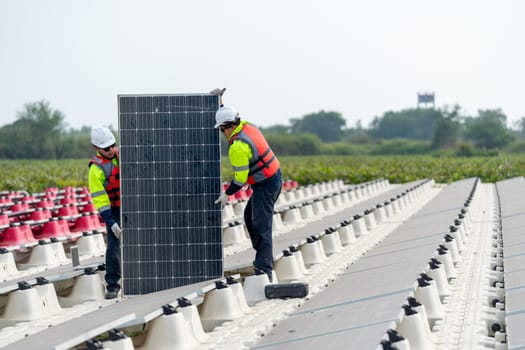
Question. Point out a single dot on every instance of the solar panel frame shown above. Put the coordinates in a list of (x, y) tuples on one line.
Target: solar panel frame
[(170, 175)]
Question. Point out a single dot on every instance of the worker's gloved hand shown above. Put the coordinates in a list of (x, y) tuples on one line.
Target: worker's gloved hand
[(116, 230), (218, 92), (223, 198)]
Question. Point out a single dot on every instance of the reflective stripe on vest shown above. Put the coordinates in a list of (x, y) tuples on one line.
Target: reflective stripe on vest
[(263, 164), (112, 182)]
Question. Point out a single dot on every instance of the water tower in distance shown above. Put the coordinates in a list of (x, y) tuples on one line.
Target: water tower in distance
[(425, 100)]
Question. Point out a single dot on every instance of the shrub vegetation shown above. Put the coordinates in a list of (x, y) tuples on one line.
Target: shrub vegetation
[(36, 175)]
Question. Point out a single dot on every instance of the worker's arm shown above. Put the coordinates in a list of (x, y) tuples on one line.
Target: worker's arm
[(218, 92), (240, 154)]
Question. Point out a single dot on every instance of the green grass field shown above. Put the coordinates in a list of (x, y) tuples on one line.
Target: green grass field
[(35, 175)]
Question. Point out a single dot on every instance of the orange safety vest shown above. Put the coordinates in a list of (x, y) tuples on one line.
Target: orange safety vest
[(112, 183), (263, 164)]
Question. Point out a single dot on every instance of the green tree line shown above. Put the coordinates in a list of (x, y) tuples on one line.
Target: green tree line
[(40, 132), (416, 131)]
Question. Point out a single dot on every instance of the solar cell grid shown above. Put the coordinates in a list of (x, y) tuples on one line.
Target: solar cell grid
[(170, 177)]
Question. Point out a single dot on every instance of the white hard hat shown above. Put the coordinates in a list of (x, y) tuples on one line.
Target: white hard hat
[(224, 115), (102, 137)]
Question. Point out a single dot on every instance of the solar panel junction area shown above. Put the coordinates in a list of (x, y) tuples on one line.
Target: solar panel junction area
[(170, 175)]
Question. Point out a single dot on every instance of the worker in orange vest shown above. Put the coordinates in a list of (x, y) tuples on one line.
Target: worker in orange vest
[(253, 163), (104, 185)]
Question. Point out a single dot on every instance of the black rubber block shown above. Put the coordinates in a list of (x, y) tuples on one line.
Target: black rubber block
[(286, 290)]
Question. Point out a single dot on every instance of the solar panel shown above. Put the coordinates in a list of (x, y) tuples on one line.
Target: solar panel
[(170, 175)]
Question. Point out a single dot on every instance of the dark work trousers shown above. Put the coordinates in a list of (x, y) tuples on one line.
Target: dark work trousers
[(113, 254), (258, 216)]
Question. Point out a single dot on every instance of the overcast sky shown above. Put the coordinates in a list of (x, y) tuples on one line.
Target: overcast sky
[(279, 59)]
